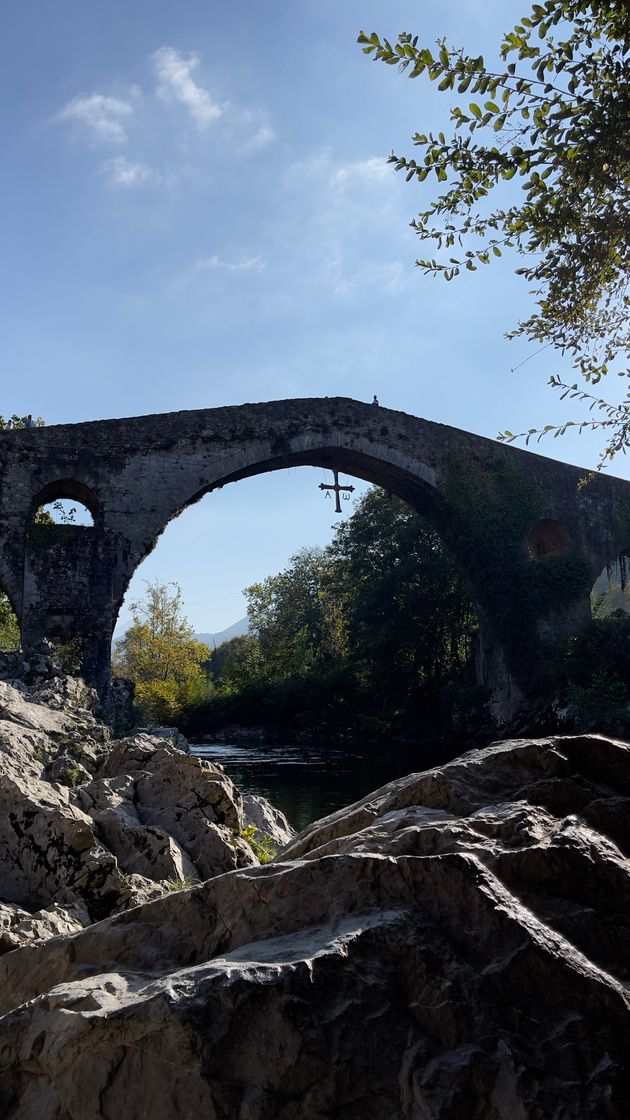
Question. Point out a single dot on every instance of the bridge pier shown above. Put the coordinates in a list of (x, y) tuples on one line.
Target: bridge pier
[(67, 596)]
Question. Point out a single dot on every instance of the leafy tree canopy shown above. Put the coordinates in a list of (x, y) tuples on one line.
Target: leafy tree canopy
[(372, 627), (16, 421), (160, 655), (9, 625), (553, 120)]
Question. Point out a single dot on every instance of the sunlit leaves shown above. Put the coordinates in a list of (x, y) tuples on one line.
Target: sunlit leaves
[(160, 654), (554, 122)]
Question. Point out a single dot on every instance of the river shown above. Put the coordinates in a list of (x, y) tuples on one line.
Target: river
[(309, 782)]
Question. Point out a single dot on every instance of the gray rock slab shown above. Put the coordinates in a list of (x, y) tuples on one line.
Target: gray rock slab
[(455, 945)]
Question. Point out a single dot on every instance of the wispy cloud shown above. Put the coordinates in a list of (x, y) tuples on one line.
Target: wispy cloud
[(155, 142), (367, 170), (125, 173), (174, 73), (260, 132), (344, 279), (245, 264), (262, 137), (99, 116)]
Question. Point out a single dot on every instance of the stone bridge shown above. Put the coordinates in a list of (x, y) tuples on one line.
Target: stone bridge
[(529, 540)]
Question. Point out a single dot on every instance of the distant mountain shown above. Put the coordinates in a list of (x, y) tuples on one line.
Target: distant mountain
[(236, 630)]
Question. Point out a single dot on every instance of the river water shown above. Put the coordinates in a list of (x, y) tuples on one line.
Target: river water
[(309, 782)]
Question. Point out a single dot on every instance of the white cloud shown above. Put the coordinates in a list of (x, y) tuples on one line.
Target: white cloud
[(246, 264), (176, 84), (368, 170), (255, 124), (386, 277), (125, 173), (100, 116), (262, 137)]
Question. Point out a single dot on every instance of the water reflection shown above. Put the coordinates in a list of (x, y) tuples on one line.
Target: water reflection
[(309, 782)]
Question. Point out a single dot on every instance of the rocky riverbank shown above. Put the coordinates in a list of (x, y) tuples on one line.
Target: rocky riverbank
[(452, 947), (91, 826)]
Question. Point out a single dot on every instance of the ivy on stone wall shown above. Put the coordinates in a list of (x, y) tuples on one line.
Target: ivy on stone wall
[(492, 509)]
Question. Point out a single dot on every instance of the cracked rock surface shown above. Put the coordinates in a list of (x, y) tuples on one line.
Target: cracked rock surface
[(452, 947), (90, 827)]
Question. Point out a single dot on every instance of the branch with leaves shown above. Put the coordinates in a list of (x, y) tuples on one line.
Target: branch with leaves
[(553, 119)]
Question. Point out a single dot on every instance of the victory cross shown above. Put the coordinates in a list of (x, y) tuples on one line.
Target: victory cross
[(337, 488)]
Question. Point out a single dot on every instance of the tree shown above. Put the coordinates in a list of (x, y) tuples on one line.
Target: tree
[(20, 421), (554, 120), (160, 655), (9, 625), (288, 614), (372, 627), (235, 664), (408, 618)]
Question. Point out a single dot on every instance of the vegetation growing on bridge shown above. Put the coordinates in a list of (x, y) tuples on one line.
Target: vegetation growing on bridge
[(492, 511)]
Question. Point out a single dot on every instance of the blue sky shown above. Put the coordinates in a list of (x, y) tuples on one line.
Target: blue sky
[(197, 211)]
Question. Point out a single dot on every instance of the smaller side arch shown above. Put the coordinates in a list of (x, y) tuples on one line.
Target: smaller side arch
[(547, 537), (71, 488)]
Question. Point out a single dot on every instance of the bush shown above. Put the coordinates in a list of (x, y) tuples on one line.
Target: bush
[(598, 674)]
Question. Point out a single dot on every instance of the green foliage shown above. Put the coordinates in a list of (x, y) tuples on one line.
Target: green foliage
[(492, 510), (9, 625), (598, 672), (405, 619), (289, 615), (261, 843), (182, 883), (61, 515), (72, 775), (161, 656), (71, 654), (551, 119), (357, 638), (16, 421)]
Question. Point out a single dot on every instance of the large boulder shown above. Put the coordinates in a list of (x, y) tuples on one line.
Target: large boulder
[(453, 946), (91, 827), (267, 820), (165, 813)]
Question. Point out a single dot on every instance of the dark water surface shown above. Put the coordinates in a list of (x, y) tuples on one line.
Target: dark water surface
[(309, 782)]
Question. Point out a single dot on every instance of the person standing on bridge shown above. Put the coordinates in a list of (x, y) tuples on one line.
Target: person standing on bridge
[(28, 423)]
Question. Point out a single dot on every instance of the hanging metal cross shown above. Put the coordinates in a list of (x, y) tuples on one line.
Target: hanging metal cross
[(337, 488)]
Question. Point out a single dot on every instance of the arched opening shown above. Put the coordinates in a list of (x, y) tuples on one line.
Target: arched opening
[(611, 591), (415, 484), (66, 502), (254, 535), (597, 661), (548, 538)]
